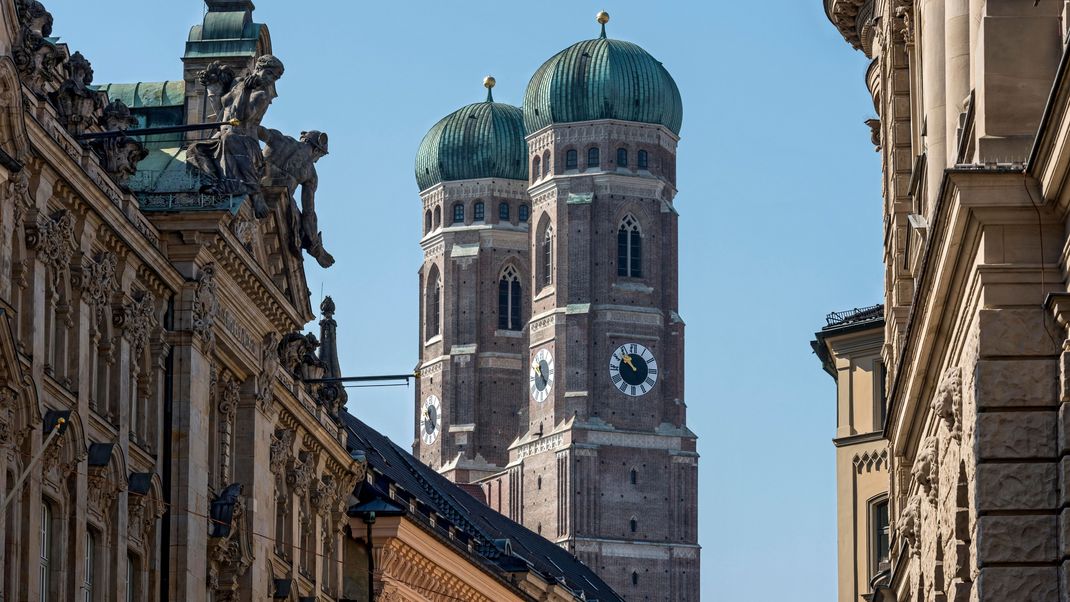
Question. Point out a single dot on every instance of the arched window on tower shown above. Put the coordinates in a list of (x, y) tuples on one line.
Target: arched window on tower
[(594, 159), (633, 476), (458, 213), (572, 159), (510, 299), (438, 217), (479, 211), (622, 157), (433, 308), (546, 269), (546, 163), (536, 168), (629, 248), (635, 577), (642, 159), (503, 211), (427, 221), (633, 524), (523, 213)]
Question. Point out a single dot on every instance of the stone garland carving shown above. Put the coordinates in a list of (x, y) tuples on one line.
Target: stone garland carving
[(99, 283), (299, 475), (909, 523), (281, 451), (37, 59), (269, 371), (905, 13), (139, 321), (228, 394), (925, 467), (231, 160), (947, 404), (205, 305), (78, 105), (53, 239)]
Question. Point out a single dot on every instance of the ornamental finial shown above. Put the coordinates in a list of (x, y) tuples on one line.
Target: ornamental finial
[(603, 18), (488, 83)]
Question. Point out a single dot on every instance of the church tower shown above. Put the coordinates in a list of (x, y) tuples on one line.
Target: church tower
[(471, 168), (606, 466)]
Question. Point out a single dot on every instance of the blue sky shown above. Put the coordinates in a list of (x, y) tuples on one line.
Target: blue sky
[(779, 201)]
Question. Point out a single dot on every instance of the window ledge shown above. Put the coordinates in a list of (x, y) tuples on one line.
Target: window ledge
[(633, 287), (435, 339), (512, 334), (545, 292)]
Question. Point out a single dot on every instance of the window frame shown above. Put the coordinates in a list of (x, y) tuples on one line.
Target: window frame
[(510, 299), (47, 537), (572, 159), (458, 213), (479, 211), (594, 157), (547, 258), (878, 535), (629, 247), (505, 212), (622, 157), (523, 213), (642, 159)]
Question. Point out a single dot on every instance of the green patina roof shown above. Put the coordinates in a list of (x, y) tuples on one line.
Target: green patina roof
[(148, 94), (602, 79), (228, 30), (482, 140)]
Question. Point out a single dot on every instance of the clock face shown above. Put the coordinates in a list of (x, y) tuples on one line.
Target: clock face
[(541, 378), (633, 369), (430, 419)]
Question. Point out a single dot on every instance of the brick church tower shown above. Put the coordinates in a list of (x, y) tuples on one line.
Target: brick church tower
[(471, 169), (600, 459)]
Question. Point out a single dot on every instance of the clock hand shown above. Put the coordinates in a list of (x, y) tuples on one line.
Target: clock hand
[(627, 359)]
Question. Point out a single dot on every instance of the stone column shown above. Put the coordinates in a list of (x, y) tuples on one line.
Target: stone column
[(252, 468), (192, 342), (957, 68), (931, 38)]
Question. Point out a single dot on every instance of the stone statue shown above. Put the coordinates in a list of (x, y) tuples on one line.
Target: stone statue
[(291, 163), (78, 104), (231, 160)]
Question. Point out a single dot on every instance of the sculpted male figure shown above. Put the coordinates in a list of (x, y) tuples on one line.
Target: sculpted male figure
[(291, 163), (231, 160)]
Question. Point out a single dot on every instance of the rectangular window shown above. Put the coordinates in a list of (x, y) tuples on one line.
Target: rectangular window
[(503, 304), (593, 159), (880, 374), (479, 212), (44, 576), (571, 159), (503, 212), (131, 578), (636, 256), (90, 552), (515, 303), (458, 213), (622, 252)]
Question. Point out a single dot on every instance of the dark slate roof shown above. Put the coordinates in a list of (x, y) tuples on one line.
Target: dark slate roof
[(487, 537), (602, 79)]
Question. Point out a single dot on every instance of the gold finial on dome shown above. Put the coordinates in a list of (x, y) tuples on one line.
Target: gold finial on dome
[(603, 17), (488, 83)]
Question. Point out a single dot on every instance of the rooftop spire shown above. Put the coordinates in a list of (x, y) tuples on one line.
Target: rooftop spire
[(488, 83), (603, 18)]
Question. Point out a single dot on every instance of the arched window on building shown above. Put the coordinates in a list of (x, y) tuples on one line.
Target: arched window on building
[(642, 159), (635, 577), (438, 218), (546, 163), (427, 221), (633, 524), (633, 477), (538, 482), (572, 159), (458, 213), (510, 299), (523, 213), (879, 534), (536, 168), (503, 211), (594, 159), (629, 248), (479, 211), (433, 308), (622, 157), (546, 267)]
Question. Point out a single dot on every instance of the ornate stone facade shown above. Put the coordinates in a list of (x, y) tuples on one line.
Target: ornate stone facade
[(973, 102)]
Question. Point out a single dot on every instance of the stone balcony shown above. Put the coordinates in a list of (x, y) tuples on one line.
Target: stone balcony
[(854, 19)]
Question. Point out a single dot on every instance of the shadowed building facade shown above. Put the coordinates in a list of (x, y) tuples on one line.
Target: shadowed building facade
[(165, 430), (972, 103), (551, 343)]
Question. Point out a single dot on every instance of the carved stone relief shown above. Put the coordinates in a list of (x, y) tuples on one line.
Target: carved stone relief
[(947, 404), (924, 469), (205, 305)]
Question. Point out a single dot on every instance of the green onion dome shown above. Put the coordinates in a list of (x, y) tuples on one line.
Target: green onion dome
[(481, 140), (602, 79)]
